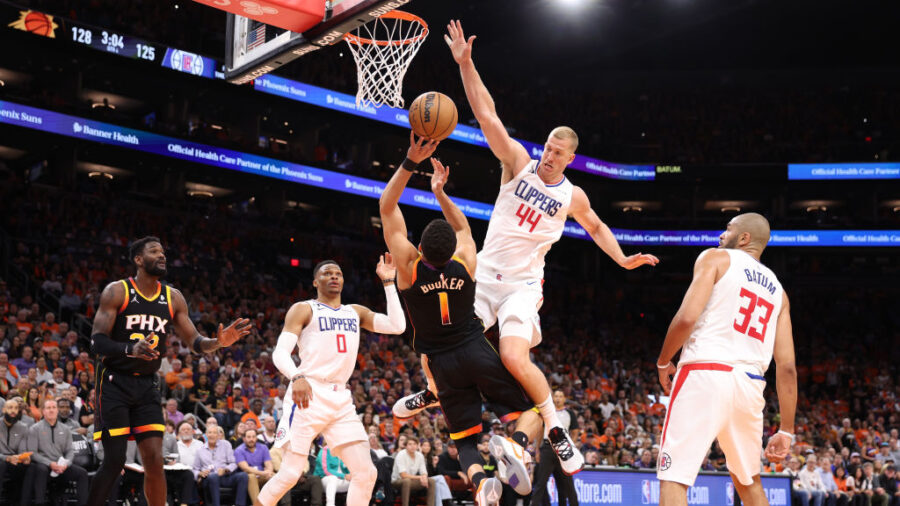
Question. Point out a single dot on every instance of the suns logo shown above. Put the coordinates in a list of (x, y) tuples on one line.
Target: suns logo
[(35, 22)]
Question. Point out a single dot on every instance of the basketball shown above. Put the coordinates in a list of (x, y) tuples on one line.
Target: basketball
[(39, 23), (433, 115)]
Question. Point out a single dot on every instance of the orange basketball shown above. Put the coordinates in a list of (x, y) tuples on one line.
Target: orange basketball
[(433, 115), (39, 23)]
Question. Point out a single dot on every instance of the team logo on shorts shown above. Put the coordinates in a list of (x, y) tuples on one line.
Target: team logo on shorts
[(280, 434), (665, 461)]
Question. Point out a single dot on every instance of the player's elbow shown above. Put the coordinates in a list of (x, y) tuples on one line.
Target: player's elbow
[(786, 371), (684, 322)]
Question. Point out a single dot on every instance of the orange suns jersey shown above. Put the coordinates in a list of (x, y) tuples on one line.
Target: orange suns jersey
[(441, 306)]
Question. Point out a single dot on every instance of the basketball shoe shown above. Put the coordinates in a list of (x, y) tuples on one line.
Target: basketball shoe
[(571, 459), (488, 493), (512, 463), (413, 404)]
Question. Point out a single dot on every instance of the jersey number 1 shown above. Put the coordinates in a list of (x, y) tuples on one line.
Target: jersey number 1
[(445, 308), (528, 215), (747, 311)]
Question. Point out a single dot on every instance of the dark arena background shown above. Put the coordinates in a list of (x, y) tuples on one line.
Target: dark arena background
[(117, 122)]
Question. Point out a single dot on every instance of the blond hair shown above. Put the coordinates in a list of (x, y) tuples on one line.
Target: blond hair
[(566, 133)]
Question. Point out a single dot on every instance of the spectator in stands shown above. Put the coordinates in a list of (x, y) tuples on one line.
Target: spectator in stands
[(334, 474), (51, 443), (179, 376), (252, 416), (69, 301), (214, 466), (410, 473), (172, 414), (254, 460), (42, 374), (59, 383), (187, 445), (9, 374), (26, 361), (887, 492), (832, 494), (64, 417), (15, 465), (267, 433)]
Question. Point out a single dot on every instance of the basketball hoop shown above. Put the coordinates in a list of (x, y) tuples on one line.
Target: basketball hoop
[(383, 50)]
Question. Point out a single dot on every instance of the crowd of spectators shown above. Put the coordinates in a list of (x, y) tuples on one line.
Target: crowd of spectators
[(599, 343)]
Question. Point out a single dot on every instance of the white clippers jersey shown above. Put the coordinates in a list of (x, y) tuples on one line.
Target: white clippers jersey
[(329, 344), (738, 324), (528, 217)]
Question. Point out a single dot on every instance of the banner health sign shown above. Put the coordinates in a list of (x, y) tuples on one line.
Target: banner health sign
[(81, 128), (826, 171), (633, 488)]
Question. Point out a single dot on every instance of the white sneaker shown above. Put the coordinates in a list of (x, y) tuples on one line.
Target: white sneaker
[(511, 463), (571, 459), (413, 404), (488, 493)]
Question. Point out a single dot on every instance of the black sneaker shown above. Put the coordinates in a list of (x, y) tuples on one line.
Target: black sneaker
[(413, 404), (571, 459)]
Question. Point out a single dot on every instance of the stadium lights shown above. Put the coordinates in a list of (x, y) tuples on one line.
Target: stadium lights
[(199, 193), (280, 141), (376, 163), (730, 209), (215, 127), (105, 103), (97, 173), (2, 83), (632, 209), (812, 209)]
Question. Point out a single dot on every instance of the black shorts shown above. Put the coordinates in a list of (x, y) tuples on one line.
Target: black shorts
[(127, 405), (465, 374)]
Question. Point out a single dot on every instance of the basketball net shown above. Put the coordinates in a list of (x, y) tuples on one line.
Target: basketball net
[(383, 50)]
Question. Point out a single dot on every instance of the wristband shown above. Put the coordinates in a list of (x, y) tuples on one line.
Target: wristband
[(389, 282), (786, 433), (129, 349), (297, 376), (664, 366), (408, 165)]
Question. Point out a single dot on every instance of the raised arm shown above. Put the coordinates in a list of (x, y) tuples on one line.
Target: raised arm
[(510, 152), (580, 209), (465, 245), (184, 327), (393, 225), (785, 383), (707, 270), (394, 322)]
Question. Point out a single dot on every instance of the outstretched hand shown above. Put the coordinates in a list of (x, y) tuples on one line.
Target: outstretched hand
[(386, 269), (229, 335), (440, 176), (637, 260), (459, 46), (420, 149)]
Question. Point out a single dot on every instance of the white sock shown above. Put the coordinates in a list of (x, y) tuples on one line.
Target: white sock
[(548, 413)]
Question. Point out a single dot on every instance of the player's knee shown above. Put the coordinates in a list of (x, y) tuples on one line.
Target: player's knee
[(368, 476), (289, 475), (513, 359)]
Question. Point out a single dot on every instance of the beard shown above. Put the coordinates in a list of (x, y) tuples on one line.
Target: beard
[(155, 270), (731, 244)]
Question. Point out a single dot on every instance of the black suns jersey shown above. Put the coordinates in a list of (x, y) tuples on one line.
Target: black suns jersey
[(141, 316), (441, 306)]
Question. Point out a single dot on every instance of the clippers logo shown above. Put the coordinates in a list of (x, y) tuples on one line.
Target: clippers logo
[(254, 9), (186, 62), (665, 461), (280, 434)]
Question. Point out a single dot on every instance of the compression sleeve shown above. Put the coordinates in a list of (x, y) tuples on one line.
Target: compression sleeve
[(394, 322), (101, 344), (281, 357)]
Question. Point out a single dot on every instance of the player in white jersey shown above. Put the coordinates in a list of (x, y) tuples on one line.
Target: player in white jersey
[(318, 401), (734, 318), (534, 201)]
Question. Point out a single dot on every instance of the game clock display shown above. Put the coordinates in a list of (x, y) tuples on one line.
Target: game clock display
[(117, 43)]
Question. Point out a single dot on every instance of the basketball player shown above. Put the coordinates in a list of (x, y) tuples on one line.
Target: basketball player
[(129, 337), (438, 286), (318, 402), (735, 316), (529, 216)]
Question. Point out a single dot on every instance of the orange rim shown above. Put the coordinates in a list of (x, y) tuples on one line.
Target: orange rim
[(401, 15)]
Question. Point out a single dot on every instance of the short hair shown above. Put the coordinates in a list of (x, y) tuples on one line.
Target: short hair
[(249, 430), (137, 247), (49, 399), (566, 133), (321, 264), (438, 242)]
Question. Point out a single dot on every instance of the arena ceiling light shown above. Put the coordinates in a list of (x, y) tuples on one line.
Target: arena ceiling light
[(205, 190), (96, 170), (729, 206)]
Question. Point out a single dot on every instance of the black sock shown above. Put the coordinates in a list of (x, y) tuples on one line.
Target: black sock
[(521, 438), (476, 479)]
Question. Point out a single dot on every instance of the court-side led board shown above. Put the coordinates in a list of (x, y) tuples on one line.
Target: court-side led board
[(254, 48)]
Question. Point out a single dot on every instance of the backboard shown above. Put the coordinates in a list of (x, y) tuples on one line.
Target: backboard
[(254, 48)]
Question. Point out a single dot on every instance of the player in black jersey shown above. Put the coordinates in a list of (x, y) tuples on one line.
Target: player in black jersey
[(129, 337), (437, 283)]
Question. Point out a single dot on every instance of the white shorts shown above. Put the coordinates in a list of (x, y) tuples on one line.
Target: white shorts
[(330, 413), (514, 305), (713, 401)]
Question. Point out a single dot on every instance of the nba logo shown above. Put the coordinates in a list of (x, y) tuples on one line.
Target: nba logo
[(729, 494), (645, 492)]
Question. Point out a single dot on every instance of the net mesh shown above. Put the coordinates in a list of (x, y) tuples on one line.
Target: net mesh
[(383, 50)]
